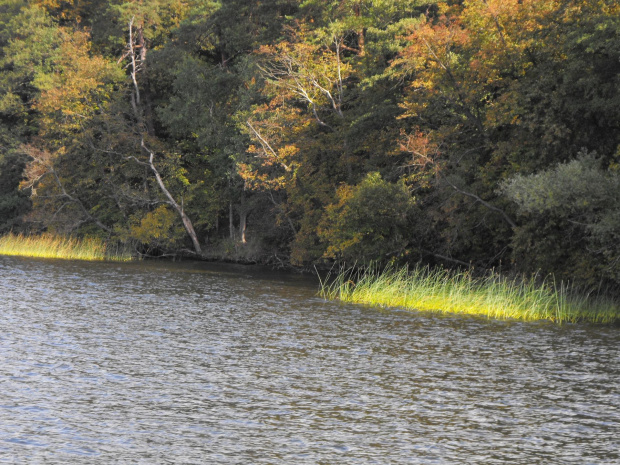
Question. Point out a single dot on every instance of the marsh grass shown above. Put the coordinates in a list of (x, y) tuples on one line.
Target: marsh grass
[(492, 296), (52, 246)]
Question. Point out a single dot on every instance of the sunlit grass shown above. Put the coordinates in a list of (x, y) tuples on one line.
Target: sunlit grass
[(52, 246), (493, 296)]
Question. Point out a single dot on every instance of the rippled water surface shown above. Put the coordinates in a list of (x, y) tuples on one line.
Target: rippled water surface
[(203, 364)]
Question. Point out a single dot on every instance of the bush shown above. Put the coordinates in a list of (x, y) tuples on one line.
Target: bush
[(369, 222)]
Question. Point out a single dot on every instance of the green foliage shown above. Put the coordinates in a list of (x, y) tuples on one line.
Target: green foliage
[(29, 41), (320, 122), (13, 203), (585, 199), (577, 187), (369, 222)]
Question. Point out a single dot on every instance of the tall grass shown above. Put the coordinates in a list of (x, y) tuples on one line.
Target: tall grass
[(52, 246), (492, 296)]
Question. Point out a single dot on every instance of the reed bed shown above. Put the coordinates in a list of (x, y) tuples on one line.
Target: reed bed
[(52, 246), (492, 296)]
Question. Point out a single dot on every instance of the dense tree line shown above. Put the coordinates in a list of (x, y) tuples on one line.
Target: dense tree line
[(481, 133)]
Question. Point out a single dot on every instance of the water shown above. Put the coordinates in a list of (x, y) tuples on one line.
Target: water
[(203, 364)]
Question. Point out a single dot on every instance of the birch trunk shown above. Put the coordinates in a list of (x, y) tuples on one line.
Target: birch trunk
[(187, 222)]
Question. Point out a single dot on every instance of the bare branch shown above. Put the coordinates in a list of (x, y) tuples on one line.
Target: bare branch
[(266, 146), (281, 208), (483, 202), (187, 223), (445, 257), (43, 159), (134, 68)]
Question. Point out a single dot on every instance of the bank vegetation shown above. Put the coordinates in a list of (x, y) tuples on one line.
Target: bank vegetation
[(451, 134), (490, 296)]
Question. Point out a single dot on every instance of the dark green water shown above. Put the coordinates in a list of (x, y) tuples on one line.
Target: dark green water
[(203, 364)]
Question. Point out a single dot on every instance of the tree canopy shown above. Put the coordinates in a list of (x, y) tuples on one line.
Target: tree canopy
[(480, 133)]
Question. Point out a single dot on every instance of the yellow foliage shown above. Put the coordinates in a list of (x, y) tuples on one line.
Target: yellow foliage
[(157, 228), (78, 88)]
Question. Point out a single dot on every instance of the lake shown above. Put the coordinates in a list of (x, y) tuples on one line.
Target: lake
[(195, 363)]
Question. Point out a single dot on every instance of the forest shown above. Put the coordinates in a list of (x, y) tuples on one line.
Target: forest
[(482, 133)]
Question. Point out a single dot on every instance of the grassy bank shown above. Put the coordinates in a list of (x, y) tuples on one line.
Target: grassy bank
[(493, 296), (51, 246)]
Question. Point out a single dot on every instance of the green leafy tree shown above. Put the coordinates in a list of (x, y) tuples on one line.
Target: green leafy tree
[(53, 86), (369, 222), (209, 76), (327, 115), (13, 202), (582, 199)]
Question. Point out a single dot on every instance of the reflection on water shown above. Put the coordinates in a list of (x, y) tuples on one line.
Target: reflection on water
[(196, 363)]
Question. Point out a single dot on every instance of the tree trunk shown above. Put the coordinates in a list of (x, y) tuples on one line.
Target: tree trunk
[(243, 217), (187, 223), (231, 223), (138, 58), (361, 39), (146, 103)]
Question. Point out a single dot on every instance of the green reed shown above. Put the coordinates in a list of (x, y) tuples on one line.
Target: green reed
[(54, 246), (492, 296)]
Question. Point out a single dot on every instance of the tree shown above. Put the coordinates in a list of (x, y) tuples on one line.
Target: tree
[(57, 86), (369, 222), (136, 53), (13, 202), (465, 68), (326, 114), (583, 198)]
